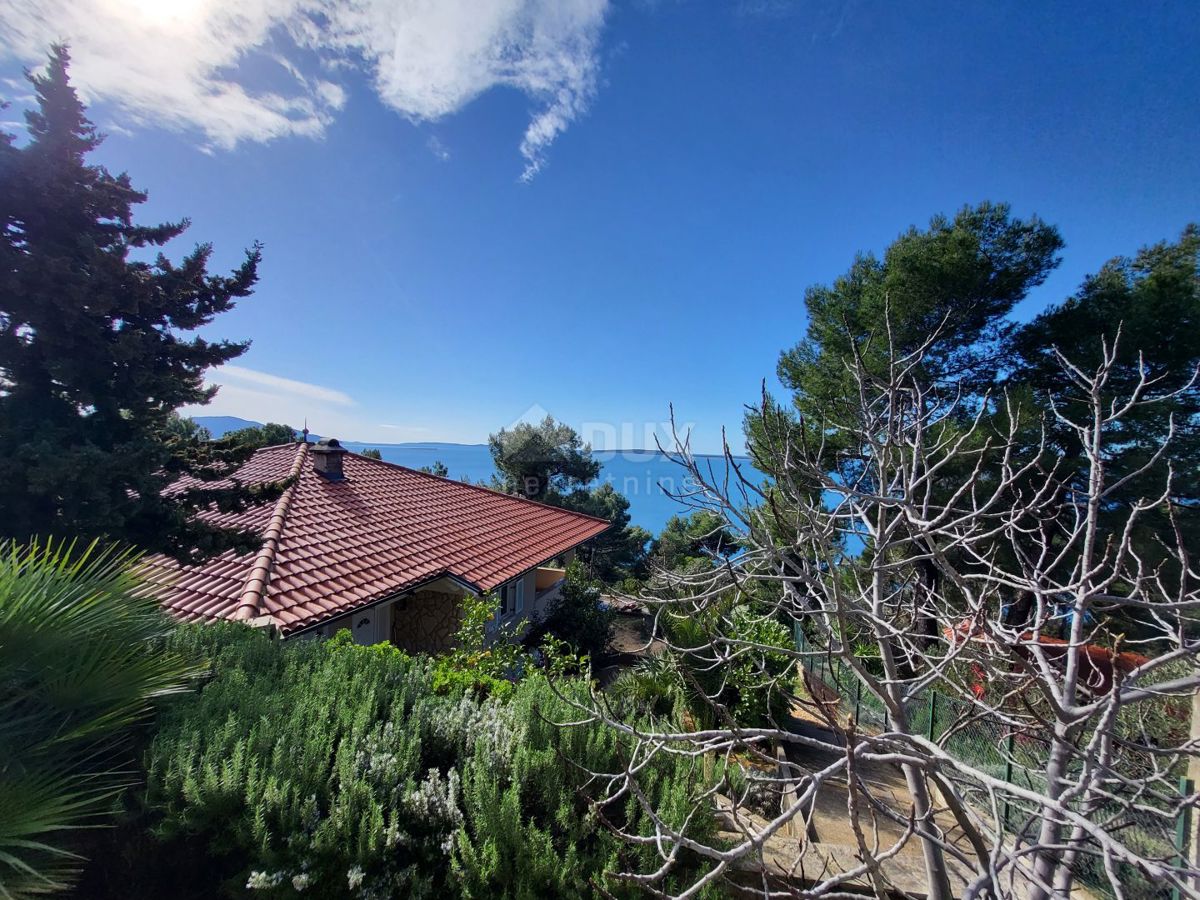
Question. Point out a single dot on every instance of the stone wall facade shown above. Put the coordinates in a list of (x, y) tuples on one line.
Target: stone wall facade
[(426, 621)]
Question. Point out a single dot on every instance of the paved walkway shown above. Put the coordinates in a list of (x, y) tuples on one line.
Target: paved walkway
[(831, 846)]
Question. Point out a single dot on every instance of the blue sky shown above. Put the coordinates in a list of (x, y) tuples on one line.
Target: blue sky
[(472, 210)]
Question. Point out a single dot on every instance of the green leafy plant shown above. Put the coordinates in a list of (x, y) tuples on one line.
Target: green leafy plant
[(746, 684), (81, 663), (339, 770), (483, 661), (577, 616)]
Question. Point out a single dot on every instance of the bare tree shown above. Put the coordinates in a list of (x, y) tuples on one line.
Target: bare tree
[(927, 544)]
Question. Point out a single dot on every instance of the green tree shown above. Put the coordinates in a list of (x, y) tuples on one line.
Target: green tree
[(946, 291), (186, 429), (958, 279), (1147, 311), (81, 663), (550, 462), (618, 553), (255, 436), (577, 616), (701, 538), (534, 459), (371, 453), (96, 345), (438, 468)]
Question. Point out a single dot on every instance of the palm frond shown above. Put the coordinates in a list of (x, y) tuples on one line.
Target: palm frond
[(82, 660)]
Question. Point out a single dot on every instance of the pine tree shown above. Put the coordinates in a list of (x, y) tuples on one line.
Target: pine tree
[(534, 459), (1146, 311), (958, 279), (95, 346)]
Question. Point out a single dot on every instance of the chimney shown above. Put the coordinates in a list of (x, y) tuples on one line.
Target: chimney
[(327, 456)]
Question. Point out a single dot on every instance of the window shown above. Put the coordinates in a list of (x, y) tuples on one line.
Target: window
[(512, 597)]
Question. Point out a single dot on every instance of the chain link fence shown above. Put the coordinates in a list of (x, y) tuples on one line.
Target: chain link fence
[(970, 733)]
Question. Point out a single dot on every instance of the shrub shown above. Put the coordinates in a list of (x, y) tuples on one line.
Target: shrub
[(338, 770), (577, 616), (747, 683), (484, 664)]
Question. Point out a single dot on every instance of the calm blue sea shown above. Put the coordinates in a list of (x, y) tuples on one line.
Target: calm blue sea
[(646, 478)]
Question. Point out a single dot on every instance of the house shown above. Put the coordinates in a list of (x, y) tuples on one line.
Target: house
[(385, 551), (1099, 668)]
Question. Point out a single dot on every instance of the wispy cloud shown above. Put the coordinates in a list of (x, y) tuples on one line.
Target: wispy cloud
[(175, 63), (263, 397), (278, 385), (437, 148)]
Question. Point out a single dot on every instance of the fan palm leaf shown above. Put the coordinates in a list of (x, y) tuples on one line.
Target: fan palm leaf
[(81, 662)]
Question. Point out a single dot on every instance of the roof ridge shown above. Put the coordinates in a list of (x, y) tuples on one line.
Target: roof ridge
[(480, 487), (249, 604)]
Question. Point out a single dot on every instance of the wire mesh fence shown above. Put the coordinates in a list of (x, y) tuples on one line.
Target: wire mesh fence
[(971, 733)]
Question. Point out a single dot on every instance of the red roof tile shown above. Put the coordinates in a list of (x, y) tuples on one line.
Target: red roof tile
[(332, 546)]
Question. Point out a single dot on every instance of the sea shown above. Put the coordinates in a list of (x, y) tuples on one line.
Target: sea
[(651, 480)]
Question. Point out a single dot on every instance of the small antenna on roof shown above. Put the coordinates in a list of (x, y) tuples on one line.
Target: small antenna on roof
[(305, 431)]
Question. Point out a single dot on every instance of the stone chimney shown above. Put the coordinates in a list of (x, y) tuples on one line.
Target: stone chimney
[(327, 456)]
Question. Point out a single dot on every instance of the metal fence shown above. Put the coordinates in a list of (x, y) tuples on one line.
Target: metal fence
[(969, 733)]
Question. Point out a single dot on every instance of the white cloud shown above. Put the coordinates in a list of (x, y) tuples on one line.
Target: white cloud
[(263, 397), (437, 148), (277, 385), (174, 63)]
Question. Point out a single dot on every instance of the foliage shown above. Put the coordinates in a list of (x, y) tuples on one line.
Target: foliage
[(755, 675), (551, 463), (534, 459), (81, 662), (185, 429), (741, 684), (910, 513), (484, 661), (577, 616), (371, 453), (1149, 308), (96, 348), (337, 769), (256, 436), (437, 468), (655, 689), (686, 540), (618, 553), (958, 279)]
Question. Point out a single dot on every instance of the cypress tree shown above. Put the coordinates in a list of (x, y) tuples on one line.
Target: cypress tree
[(97, 349)]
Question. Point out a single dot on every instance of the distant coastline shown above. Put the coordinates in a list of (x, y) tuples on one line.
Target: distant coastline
[(220, 425), (646, 477)]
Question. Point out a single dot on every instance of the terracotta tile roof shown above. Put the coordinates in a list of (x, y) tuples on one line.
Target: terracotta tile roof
[(330, 547)]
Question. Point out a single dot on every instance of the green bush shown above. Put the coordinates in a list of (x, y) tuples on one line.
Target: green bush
[(714, 669), (483, 665), (577, 616), (338, 770)]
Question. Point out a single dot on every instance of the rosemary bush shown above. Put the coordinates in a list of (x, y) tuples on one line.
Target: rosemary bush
[(338, 770)]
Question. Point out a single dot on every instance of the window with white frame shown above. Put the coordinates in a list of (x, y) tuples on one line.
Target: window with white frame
[(512, 597)]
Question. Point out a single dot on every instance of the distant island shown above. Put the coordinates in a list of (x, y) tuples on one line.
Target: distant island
[(218, 426)]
